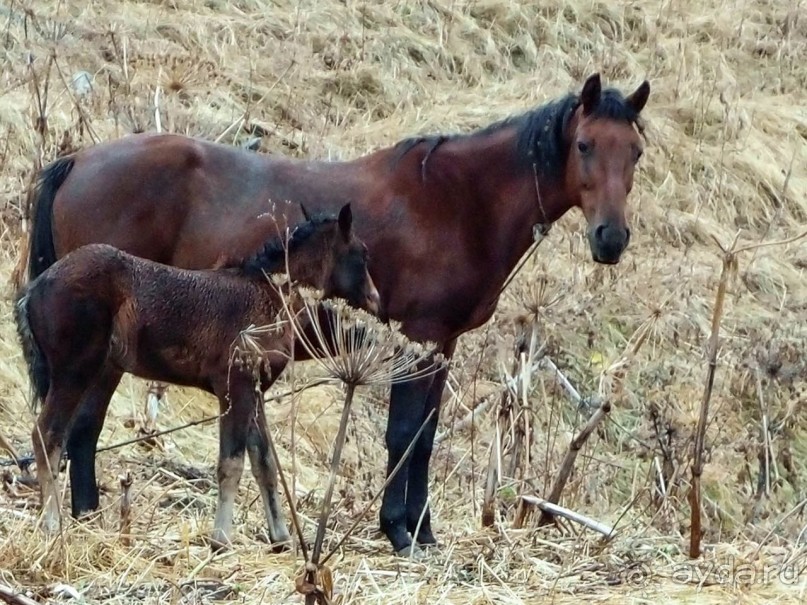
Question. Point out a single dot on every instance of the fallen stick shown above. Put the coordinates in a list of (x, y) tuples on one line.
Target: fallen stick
[(560, 511), (8, 595), (466, 421), (564, 382), (571, 454)]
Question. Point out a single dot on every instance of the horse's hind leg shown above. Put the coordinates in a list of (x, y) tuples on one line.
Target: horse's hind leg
[(264, 469), (83, 440)]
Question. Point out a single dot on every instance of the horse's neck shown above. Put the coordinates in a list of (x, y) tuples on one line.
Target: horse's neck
[(507, 194)]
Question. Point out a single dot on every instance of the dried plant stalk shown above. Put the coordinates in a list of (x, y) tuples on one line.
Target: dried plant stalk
[(729, 265), (695, 531), (503, 420), (310, 599)]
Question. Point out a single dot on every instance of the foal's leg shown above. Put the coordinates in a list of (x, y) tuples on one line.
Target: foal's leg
[(48, 436), (417, 491), (83, 440), (232, 443), (264, 469), (154, 399)]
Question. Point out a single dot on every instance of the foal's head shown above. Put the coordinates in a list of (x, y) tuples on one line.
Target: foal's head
[(605, 147), (324, 253), (348, 276)]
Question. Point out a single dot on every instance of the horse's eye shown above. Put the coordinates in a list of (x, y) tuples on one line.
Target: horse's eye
[(583, 147)]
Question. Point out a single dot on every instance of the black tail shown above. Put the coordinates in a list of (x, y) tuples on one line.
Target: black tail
[(38, 371), (41, 251)]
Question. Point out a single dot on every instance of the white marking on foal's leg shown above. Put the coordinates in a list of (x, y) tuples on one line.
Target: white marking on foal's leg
[(47, 470), (264, 470), (154, 398), (229, 475)]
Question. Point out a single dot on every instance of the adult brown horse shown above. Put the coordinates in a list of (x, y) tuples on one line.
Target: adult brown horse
[(445, 218)]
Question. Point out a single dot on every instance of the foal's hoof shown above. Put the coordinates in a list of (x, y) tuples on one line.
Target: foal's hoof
[(279, 542), (219, 542), (50, 525), (281, 546)]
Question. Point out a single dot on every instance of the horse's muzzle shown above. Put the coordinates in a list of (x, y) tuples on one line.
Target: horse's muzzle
[(608, 243)]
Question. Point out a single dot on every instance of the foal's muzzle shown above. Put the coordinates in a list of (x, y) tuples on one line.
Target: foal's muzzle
[(608, 242), (373, 300)]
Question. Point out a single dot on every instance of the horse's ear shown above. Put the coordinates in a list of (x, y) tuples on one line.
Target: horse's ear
[(638, 98), (345, 221), (590, 96), (306, 216)]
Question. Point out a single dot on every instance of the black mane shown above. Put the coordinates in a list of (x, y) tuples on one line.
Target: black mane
[(541, 137), (271, 257)]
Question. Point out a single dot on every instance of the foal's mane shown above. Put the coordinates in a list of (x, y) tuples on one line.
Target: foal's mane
[(541, 132), (271, 257)]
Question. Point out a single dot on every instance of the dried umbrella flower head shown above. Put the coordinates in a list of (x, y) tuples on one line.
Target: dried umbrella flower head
[(353, 345), (350, 344)]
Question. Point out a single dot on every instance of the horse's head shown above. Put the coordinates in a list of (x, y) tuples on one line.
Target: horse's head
[(349, 277), (605, 147)]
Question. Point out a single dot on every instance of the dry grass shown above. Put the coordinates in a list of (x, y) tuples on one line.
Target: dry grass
[(727, 126)]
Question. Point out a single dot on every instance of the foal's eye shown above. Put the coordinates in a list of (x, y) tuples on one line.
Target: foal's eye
[(583, 148)]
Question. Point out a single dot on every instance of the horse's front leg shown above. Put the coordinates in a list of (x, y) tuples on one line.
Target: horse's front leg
[(235, 408), (406, 409), (417, 491), (264, 469)]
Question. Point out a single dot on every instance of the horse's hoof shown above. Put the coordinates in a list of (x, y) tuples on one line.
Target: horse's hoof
[(426, 540), (412, 551), (87, 515)]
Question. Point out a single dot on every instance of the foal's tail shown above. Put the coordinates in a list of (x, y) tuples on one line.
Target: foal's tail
[(41, 251), (38, 371)]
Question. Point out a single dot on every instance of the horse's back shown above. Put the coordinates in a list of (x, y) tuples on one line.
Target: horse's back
[(163, 197)]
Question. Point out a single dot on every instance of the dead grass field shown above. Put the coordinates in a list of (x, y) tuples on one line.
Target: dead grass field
[(726, 152)]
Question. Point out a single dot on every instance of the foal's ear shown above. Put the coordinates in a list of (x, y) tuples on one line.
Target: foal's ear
[(345, 221), (306, 216), (590, 96), (638, 98)]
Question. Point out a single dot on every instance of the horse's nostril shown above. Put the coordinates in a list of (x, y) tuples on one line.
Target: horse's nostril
[(599, 232), (627, 234)]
